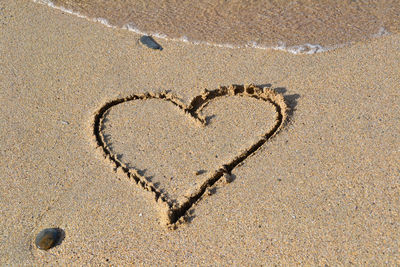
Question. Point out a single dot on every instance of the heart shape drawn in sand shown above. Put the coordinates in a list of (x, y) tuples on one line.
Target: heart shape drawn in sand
[(146, 138)]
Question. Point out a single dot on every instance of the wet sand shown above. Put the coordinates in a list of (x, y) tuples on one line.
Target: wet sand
[(324, 190), (312, 25)]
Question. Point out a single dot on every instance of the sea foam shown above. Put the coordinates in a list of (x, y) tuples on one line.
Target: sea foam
[(281, 46)]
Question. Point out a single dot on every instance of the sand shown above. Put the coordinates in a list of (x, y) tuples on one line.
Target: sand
[(324, 190), (262, 23)]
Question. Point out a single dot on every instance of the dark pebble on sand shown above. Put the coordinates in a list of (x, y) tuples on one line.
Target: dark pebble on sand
[(150, 42), (48, 238)]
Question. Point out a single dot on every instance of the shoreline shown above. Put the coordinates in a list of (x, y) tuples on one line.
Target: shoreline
[(306, 48)]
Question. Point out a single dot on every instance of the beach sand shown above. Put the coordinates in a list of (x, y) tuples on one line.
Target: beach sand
[(261, 23), (325, 189)]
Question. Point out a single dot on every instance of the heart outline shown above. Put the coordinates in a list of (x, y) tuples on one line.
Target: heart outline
[(172, 212)]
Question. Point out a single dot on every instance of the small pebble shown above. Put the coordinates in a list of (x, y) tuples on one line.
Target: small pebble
[(150, 42), (48, 238)]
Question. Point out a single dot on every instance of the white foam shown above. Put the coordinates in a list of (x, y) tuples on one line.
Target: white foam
[(131, 27), (51, 4), (298, 49), (69, 11)]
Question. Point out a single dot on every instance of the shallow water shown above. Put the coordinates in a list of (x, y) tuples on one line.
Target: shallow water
[(297, 26)]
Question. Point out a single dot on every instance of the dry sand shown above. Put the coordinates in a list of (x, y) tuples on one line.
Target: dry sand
[(324, 190)]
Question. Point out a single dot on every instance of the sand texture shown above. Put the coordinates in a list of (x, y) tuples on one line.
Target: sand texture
[(322, 188), (222, 128), (265, 23)]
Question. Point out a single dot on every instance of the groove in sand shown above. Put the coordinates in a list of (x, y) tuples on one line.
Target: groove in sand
[(174, 213)]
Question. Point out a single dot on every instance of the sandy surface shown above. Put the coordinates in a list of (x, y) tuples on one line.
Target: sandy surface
[(324, 190), (262, 23)]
